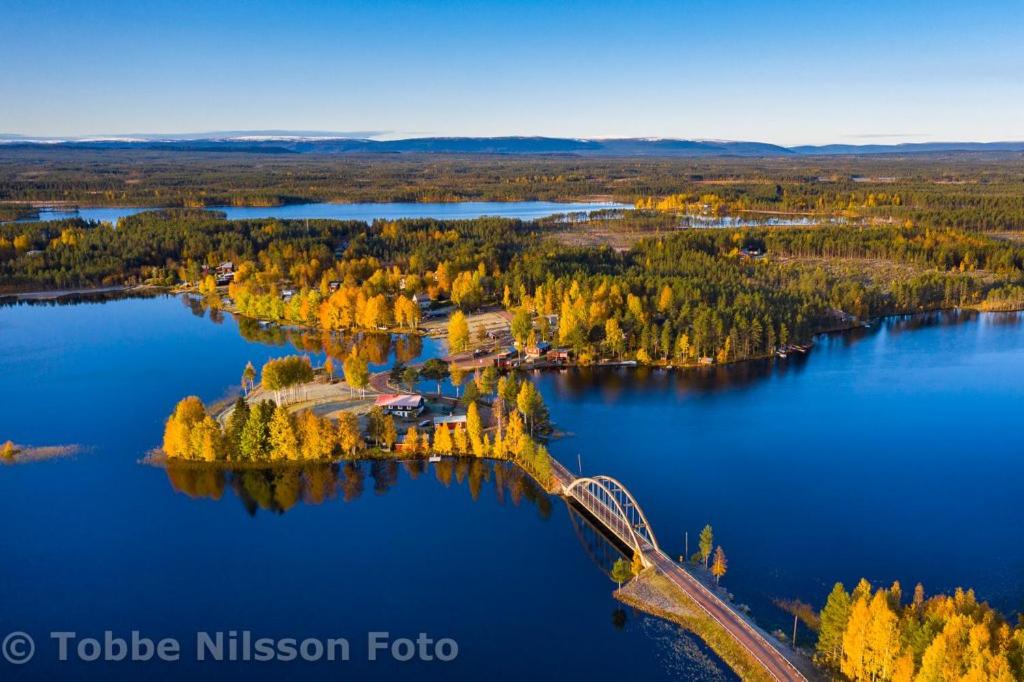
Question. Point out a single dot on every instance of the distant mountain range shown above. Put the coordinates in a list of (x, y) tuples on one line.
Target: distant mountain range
[(305, 142)]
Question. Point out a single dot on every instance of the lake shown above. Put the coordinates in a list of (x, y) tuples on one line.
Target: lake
[(891, 453), (368, 212), (99, 541), (888, 453)]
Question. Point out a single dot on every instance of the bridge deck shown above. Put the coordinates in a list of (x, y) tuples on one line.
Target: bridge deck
[(770, 658)]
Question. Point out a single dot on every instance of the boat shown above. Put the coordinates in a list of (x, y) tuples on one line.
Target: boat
[(434, 458)]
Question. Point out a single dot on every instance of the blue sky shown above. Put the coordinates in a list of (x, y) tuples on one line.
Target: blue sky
[(788, 72)]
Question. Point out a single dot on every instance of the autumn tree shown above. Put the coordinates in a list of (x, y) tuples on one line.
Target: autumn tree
[(284, 444), (855, 640), (614, 338), (375, 424), (531, 404), (317, 437), (411, 444), (515, 437), (882, 646), (622, 571), (283, 373), (191, 433), (349, 437), (357, 371), (458, 332), (460, 440), (248, 377), (388, 433), (522, 325), (457, 376), (719, 565), (443, 440), (178, 428), (475, 430)]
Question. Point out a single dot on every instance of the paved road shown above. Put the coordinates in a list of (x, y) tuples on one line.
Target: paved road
[(756, 645)]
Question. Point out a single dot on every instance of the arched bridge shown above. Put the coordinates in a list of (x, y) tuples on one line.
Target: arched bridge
[(614, 508), (610, 503)]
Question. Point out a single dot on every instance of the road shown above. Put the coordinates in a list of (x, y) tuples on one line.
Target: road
[(770, 658)]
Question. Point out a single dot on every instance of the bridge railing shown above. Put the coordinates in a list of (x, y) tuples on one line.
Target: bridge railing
[(614, 516)]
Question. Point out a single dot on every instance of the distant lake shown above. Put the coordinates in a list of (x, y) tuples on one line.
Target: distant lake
[(368, 212)]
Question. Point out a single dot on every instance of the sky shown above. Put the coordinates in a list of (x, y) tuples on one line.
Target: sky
[(781, 71)]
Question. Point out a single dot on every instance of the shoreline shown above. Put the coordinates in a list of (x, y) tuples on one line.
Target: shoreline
[(67, 206), (54, 294), (435, 328)]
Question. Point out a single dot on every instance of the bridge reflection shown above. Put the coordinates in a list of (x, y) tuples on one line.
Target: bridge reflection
[(603, 548)]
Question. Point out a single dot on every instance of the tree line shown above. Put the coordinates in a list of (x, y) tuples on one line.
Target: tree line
[(877, 635)]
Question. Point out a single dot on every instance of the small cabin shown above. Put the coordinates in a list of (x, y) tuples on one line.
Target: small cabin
[(537, 351), (451, 421), (561, 356), (508, 359)]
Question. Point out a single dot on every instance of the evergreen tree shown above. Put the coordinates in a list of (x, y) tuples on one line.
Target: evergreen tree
[(255, 439), (707, 542), (834, 618), (239, 416)]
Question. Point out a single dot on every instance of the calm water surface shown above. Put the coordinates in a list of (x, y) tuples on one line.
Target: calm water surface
[(893, 453), (524, 210), (100, 541)]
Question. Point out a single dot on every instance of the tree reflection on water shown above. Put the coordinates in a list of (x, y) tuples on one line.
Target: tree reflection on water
[(279, 488)]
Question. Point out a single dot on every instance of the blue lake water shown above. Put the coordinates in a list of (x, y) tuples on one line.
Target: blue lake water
[(890, 453), (524, 210), (100, 541)]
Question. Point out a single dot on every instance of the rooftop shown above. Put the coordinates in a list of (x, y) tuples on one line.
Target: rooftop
[(399, 400)]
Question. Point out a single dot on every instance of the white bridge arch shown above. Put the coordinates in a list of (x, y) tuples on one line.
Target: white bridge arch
[(615, 507)]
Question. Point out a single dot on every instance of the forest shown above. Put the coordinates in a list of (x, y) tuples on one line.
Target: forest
[(977, 191), (676, 296), (875, 634), (867, 237)]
